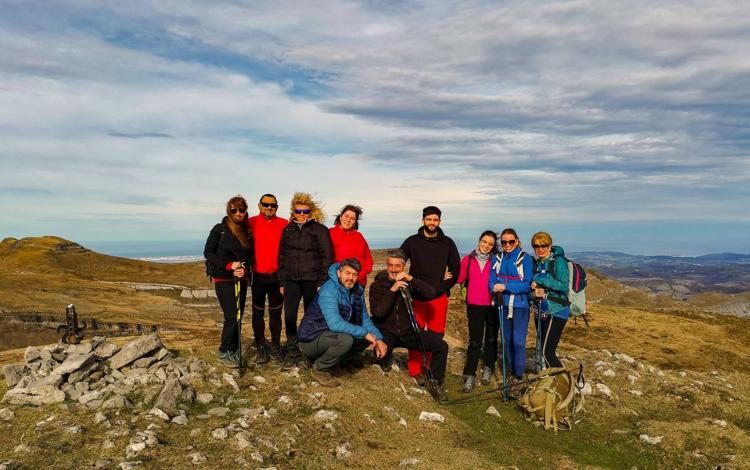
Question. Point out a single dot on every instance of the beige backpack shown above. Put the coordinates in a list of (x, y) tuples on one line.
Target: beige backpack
[(554, 397)]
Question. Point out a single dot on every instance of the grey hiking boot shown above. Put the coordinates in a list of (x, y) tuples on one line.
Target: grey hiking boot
[(229, 359), (324, 378), (469, 382), (486, 375)]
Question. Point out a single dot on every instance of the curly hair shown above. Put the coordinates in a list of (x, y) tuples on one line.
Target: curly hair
[(306, 199)]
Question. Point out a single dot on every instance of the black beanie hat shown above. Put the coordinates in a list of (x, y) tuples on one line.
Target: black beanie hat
[(429, 210)]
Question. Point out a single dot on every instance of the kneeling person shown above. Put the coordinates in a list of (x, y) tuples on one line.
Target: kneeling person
[(391, 316), (336, 322)]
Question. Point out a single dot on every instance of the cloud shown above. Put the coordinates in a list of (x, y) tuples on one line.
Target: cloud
[(566, 110)]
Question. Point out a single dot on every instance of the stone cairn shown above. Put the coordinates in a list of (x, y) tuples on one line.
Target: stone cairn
[(98, 374)]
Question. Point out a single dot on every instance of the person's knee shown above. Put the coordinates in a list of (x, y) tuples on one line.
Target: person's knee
[(344, 342)]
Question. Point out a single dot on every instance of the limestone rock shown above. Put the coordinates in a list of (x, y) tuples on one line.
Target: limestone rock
[(73, 363), (159, 414), (436, 417), (624, 358), (609, 373), (218, 411), (342, 452), (31, 354), (6, 414), (134, 350), (244, 440), (409, 462), (13, 374), (651, 440), (117, 402), (604, 390), (492, 411), (219, 433), (34, 396), (52, 380), (196, 458), (180, 419), (130, 465), (230, 380), (205, 398), (106, 350), (326, 415), (167, 400)]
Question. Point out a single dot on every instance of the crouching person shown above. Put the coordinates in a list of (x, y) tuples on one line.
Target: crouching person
[(336, 323), (391, 316)]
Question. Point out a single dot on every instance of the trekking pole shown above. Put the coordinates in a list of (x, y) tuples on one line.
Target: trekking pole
[(538, 350), (431, 383), (499, 301), (237, 289)]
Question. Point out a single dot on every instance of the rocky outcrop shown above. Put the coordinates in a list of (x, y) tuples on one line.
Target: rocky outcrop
[(97, 374)]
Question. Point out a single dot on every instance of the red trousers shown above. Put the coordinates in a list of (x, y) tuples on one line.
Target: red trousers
[(432, 314)]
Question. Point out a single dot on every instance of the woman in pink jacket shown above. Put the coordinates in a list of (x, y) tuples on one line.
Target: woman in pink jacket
[(482, 317)]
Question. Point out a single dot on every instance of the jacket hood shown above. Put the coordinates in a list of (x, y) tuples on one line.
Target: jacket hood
[(440, 234), (557, 251), (333, 276)]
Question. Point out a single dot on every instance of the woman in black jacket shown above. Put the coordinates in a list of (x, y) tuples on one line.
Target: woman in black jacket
[(305, 252), (229, 255)]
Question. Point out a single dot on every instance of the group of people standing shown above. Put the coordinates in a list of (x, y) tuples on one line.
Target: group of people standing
[(301, 260)]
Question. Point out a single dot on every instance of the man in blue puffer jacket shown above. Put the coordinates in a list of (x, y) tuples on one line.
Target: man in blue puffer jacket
[(337, 323)]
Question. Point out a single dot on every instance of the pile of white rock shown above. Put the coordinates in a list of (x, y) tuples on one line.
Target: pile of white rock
[(98, 374)]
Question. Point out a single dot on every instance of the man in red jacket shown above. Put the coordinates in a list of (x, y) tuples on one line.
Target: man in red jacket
[(434, 259), (266, 228)]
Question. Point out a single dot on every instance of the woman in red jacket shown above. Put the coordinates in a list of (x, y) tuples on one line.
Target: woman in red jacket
[(348, 242)]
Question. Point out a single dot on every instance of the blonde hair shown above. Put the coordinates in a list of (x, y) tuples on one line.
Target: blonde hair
[(306, 199), (543, 238)]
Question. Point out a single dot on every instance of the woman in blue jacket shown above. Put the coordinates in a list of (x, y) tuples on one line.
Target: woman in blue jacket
[(550, 285), (510, 278)]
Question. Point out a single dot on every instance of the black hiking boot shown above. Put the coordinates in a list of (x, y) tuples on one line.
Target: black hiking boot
[(262, 356)]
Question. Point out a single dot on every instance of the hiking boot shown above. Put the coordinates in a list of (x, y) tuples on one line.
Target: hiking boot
[(229, 359), (469, 382), (486, 375), (262, 356), (275, 353), (420, 379), (386, 363), (324, 378), (516, 387)]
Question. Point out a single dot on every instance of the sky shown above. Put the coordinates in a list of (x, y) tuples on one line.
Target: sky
[(619, 125)]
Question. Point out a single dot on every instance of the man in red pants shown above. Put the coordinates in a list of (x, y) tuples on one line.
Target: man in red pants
[(434, 258)]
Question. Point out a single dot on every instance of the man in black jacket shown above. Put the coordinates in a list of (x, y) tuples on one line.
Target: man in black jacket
[(434, 259), (390, 315)]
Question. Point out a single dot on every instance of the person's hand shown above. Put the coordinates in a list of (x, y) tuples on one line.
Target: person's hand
[(239, 272), (533, 285), (398, 285), (538, 292), (370, 338), (281, 289), (236, 265), (498, 288), (380, 349), (448, 275), (404, 276)]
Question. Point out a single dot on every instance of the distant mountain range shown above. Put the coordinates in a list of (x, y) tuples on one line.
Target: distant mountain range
[(679, 276)]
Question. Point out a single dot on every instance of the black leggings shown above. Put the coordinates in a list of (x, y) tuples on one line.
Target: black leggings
[(483, 325), (293, 292), (552, 328), (228, 303), (262, 288)]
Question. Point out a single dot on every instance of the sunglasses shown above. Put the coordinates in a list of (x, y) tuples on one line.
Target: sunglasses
[(269, 205), (234, 210), (508, 242), (536, 247), (302, 211)]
